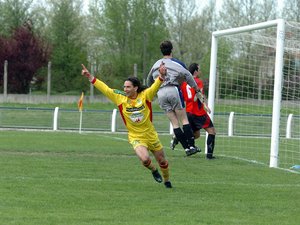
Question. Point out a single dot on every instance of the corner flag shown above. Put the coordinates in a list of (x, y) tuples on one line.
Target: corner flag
[(80, 102)]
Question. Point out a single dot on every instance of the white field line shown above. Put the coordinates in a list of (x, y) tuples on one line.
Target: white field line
[(225, 156), (120, 181), (102, 134)]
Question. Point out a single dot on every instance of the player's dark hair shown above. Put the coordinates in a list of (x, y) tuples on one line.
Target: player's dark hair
[(193, 67), (166, 47), (137, 83)]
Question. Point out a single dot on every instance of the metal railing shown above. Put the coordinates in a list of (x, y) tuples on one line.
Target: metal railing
[(227, 124)]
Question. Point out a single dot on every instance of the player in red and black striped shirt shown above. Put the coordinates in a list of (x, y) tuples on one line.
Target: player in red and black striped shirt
[(196, 112)]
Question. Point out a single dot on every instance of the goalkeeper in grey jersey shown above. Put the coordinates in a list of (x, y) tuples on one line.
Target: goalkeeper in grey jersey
[(176, 73), (170, 97)]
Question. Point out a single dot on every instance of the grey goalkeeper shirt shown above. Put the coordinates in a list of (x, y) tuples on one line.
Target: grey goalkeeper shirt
[(176, 73)]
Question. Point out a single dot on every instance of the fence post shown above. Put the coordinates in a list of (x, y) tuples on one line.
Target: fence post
[(5, 81), (171, 128), (135, 70), (114, 121), (55, 118), (230, 124), (288, 133), (49, 82)]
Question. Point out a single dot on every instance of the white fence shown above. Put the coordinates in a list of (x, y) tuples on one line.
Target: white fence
[(227, 124)]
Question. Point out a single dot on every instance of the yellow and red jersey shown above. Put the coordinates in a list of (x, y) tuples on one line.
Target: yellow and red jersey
[(136, 113), (193, 105)]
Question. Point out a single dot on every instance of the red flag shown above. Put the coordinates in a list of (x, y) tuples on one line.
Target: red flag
[(80, 102)]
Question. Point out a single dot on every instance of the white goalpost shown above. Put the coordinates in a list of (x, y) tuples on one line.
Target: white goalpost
[(254, 92)]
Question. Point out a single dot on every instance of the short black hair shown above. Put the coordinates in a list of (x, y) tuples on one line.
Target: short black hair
[(166, 47), (193, 67)]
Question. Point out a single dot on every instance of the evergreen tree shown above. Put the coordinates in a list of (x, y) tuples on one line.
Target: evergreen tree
[(69, 51)]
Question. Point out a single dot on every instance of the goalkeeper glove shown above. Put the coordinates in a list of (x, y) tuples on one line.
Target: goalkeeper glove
[(200, 96), (202, 99)]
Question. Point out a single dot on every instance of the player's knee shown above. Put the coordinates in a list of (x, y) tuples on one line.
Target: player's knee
[(211, 131), (146, 162), (163, 164)]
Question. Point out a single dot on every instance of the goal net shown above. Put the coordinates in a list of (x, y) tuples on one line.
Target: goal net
[(254, 93)]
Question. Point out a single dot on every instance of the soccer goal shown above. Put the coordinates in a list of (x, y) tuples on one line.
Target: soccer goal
[(254, 92)]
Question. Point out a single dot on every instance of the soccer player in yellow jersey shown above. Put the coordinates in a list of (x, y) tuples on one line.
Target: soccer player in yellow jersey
[(134, 104)]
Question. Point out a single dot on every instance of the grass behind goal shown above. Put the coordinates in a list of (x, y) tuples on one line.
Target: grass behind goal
[(95, 178)]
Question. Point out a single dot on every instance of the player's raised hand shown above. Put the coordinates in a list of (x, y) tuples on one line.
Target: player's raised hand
[(162, 70), (86, 73)]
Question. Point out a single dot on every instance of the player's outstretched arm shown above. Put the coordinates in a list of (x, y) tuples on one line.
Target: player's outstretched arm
[(86, 73), (101, 86)]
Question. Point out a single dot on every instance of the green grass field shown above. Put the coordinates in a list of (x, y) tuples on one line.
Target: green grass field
[(59, 178)]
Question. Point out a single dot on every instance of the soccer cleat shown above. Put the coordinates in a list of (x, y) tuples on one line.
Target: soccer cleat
[(157, 176), (189, 152), (210, 157), (192, 150), (197, 149), (173, 142), (168, 184)]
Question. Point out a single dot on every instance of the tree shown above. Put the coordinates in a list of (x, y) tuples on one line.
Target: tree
[(268, 10), (291, 10), (126, 32), (13, 14), (180, 14), (25, 53), (236, 13), (191, 32), (69, 48)]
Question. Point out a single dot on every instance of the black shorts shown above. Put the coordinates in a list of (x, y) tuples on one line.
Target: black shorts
[(199, 122)]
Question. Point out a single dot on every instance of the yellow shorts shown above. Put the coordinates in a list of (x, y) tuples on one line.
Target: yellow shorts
[(149, 140)]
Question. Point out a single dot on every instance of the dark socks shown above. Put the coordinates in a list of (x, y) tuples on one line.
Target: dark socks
[(181, 137), (210, 145), (188, 132)]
